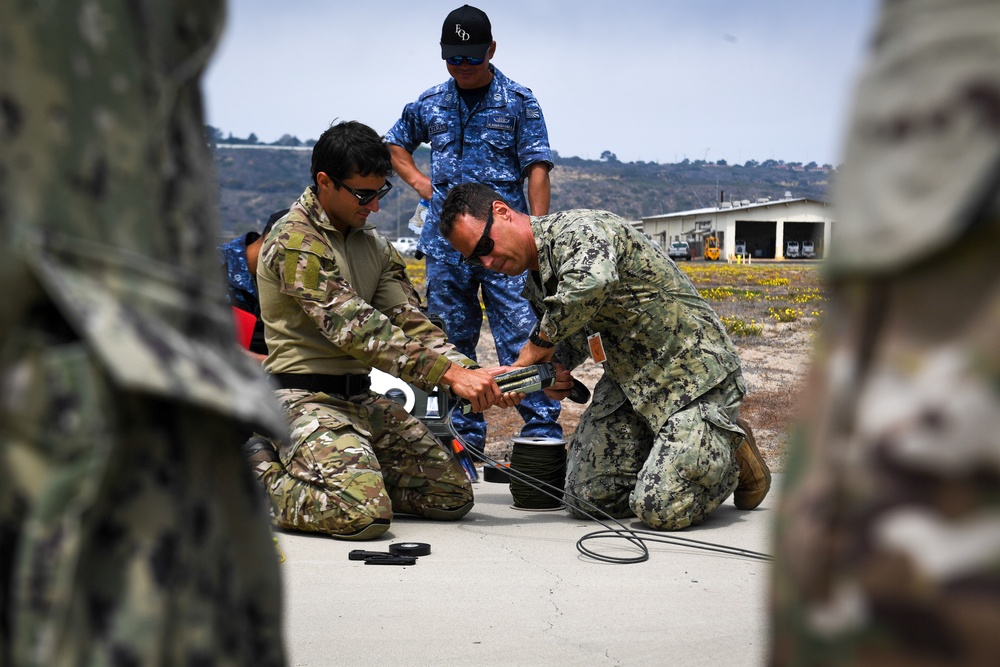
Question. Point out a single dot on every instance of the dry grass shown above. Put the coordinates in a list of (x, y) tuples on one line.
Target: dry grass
[(771, 311)]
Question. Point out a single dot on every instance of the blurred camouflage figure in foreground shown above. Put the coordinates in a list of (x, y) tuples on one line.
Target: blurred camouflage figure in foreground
[(889, 533), (131, 530)]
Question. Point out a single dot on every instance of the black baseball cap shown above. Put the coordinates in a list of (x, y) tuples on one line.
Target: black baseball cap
[(466, 32)]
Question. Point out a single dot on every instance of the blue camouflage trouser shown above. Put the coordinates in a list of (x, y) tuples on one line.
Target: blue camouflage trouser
[(453, 295)]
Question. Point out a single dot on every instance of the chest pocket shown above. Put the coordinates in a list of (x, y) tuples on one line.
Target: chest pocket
[(442, 139), (499, 130), (497, 142), (445, 160)]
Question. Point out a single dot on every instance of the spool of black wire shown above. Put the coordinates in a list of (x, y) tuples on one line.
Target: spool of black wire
[(543, 459)]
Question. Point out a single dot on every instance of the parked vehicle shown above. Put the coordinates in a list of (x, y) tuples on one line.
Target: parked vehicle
[(808, 250), (712, 251), (679, 250), (792, 250), (406, 245)]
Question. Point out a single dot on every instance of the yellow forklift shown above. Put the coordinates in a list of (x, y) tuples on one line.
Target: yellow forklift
[(712, 251)]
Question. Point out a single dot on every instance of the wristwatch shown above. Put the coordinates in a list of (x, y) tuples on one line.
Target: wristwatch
[(535, 338)]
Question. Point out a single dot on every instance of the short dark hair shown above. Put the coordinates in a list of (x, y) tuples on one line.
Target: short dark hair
[(473, 199), (351, 148)]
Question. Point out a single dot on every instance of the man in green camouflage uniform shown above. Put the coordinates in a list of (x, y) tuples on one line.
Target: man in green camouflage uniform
[(660, 439), (336, 302), (888, 543), (131, 531)]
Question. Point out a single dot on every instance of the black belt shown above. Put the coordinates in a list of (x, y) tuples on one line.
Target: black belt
[(344, 385)]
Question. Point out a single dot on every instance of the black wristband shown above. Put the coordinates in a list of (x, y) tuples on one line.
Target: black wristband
[(538, 340)]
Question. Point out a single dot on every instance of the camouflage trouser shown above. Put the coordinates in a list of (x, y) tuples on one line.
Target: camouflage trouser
[(669, 480), (131, 531), (888, 541), (351, 463), (453, 295)]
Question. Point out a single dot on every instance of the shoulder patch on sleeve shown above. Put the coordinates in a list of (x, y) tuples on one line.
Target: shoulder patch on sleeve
[(295, 240), (302, 270), (302, 261)]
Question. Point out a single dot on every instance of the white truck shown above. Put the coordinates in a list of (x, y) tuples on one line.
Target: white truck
[(679, 250), (405, 245)]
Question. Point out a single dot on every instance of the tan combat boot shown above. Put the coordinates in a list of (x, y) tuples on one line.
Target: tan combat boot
[(755, 476)]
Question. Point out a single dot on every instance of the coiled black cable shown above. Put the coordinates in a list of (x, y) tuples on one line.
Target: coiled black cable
[(544, 463), (637, 538)]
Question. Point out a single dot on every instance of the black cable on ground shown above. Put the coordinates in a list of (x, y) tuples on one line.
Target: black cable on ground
[(636, 538)]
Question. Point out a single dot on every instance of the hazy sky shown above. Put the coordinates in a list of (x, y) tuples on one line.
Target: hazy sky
[(656, 80)]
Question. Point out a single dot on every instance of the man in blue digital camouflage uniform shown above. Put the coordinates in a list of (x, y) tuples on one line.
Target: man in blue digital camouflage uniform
[(484, 128), (662, 439), (239, 261)]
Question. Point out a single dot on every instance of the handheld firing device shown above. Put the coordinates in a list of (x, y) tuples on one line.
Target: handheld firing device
[(530, 379)]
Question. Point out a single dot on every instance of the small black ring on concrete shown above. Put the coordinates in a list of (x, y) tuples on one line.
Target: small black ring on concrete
[(410, 549)]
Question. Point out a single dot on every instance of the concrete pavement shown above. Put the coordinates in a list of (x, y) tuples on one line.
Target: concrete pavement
[(508, 587)]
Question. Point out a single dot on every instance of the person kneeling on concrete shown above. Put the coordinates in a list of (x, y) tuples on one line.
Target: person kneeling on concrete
[(662, 438), (336, 302)]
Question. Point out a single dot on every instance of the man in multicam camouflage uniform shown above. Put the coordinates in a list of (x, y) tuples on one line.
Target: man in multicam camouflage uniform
[(336, 301), (482, 128), (661, 439), (888, 542), (131, 531)]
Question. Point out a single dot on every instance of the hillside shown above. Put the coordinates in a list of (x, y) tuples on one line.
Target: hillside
[(256, 180)]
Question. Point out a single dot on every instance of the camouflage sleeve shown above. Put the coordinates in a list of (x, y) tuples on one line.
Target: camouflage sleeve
[(407, 132), (411, 319), (415, 325), (573, 351), (533, 136), (586, 272), (312, 278)]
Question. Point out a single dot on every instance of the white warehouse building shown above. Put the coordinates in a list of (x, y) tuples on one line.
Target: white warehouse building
[(765, 227)]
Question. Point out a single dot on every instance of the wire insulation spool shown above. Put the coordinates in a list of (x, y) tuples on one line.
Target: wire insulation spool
[(410, 549), (544, 459)]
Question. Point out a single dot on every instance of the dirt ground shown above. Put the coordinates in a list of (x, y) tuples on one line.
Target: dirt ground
[(774, 367)]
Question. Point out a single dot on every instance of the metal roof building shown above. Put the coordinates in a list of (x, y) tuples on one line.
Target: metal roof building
[(764, 226)]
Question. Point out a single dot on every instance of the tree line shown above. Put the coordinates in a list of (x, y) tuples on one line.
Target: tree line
[(255, 179)]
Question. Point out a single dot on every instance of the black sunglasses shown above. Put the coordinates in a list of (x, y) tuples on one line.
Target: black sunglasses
[(485, 244), (365, 197), (457, 60)]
